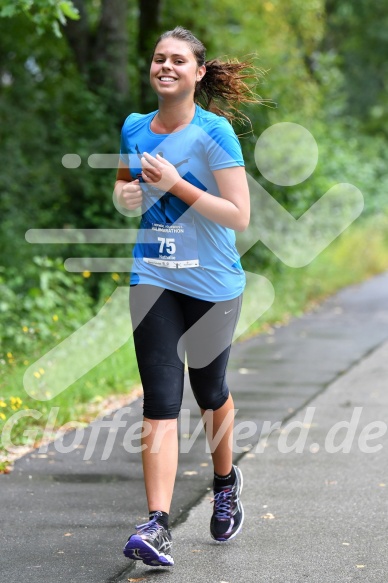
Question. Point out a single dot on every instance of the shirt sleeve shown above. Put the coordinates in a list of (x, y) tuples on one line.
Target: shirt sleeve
[(224, 150)]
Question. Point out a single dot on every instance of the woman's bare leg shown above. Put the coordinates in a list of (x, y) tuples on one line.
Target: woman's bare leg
[(160, 461), (222, 444), (160, 452)]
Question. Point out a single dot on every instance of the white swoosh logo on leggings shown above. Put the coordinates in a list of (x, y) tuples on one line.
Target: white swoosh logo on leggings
[(228, 312)]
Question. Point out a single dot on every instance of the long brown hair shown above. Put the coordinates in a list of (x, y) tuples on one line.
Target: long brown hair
[(224, 86)]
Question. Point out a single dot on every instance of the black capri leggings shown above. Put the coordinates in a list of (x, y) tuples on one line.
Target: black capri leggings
[(169, 325)]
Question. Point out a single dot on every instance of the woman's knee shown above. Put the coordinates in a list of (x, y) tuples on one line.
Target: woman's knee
[(210, 393)]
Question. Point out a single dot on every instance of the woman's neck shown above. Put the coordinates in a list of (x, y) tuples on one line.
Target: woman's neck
[(173, 117)]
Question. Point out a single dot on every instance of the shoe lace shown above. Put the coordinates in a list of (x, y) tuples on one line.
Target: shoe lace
[(150, 528), (222, 504)]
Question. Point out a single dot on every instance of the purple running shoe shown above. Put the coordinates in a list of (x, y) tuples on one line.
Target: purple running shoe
[(151, 544), (228, 512)]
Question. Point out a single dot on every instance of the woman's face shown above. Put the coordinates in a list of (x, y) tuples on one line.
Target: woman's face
[(174, 70)]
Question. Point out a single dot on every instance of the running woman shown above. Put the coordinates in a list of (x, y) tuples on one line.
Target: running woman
[(182, 164)]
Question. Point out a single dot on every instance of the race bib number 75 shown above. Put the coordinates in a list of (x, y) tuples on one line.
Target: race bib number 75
[(172, 246)]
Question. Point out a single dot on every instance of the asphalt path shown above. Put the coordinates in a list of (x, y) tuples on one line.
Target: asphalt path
[(315, 497), (66, 515)]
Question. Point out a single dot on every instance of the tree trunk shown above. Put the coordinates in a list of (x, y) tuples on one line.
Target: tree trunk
[(149, 29), (78, 36), (102, 55), (110, 54)]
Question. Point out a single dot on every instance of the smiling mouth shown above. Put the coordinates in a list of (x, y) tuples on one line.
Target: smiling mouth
[(167, 79)]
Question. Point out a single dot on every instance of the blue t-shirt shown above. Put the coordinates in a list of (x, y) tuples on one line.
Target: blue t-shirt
[(179, 232)]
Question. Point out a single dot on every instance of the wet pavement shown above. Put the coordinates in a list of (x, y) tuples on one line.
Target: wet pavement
[(66, 515), (316, 514)]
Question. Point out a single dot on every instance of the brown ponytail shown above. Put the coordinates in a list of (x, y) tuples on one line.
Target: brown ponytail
[(224, 86)]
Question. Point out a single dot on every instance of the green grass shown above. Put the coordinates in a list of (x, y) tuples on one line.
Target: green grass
[(82, 402), (358, 254)]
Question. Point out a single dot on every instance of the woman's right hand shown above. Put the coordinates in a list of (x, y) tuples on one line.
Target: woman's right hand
[(131, 195)]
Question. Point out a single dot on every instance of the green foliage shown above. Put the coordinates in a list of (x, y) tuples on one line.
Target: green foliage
[(357, 254), (46, 112), (45, 14), (40, 305), (356, 33)]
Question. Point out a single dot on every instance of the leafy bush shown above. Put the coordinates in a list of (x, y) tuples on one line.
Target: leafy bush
[(43, 302)]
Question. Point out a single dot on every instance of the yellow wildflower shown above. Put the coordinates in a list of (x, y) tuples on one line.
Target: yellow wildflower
[(116, 277), (3, 404), (26, 362), (41, 370), (55, 318), (16, 401), (9, 355), (25, 328), (36, 375), (2, 416), (86, 274)]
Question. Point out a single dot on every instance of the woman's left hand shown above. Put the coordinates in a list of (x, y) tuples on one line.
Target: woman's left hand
[(159, 172)]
